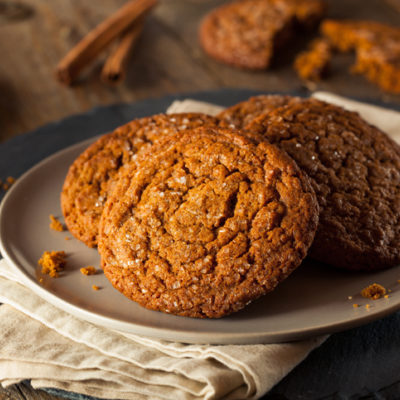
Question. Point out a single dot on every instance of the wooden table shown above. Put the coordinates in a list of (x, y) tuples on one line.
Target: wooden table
[(167, 60)]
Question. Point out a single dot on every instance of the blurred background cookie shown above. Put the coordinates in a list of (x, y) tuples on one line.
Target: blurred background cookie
[(247, 33)]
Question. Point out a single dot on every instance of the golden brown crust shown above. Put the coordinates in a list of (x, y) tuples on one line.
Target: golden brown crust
[(355, 171), (205, 222), (240, 115), (91, 176)]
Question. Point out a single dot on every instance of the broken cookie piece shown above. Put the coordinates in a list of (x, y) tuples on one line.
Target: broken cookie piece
[(313, 64), (377, 48)]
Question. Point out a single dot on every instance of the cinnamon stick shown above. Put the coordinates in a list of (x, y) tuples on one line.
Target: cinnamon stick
[(114, 69), (100, 37)]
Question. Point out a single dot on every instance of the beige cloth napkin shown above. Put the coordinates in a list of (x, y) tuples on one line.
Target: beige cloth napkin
[(55, 349)]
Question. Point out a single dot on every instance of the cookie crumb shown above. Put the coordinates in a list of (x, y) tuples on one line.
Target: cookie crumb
[(356, 305), (67, 238), (9, 181), (374, 291), (89, 270), (55, 224), (350, 297), (95, 287), (52, 262), (367, 306), (41, 280), (386, 296), (241, 114)]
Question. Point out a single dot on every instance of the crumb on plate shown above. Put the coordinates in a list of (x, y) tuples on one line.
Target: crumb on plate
[(89, 270), (8, 182), (55, 224), (374, 291), (52, 262)]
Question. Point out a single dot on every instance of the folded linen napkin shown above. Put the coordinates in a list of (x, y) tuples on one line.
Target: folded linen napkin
[(54, 349)]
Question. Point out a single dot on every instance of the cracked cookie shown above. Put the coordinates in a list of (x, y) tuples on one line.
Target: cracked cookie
[(206, 221), (355, 171), (246, 33), (241, 114), (90, 177)]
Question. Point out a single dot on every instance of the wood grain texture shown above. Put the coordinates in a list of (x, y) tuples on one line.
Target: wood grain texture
[(24, 391), (167, 59)]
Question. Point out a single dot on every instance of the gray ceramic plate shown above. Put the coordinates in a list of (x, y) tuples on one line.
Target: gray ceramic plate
[(312, 301)]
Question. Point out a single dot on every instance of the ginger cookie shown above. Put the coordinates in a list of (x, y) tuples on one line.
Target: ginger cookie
[(241, 114), (205, 222), (92, 174), (355, 171), (246, 33)]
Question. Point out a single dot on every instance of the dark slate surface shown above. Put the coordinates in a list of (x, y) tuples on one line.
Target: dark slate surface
[(361, 363)]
